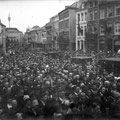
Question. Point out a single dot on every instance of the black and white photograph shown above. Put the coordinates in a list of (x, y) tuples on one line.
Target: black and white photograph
[(59, 59)]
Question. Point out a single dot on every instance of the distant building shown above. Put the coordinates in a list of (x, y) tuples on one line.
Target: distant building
[(2, 39), (67, 29), (14, 37), (55, 31), (34, 37)]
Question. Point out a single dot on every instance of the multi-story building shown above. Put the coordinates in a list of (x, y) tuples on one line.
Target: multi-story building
[(34, 37), (103, 25), (81, 27), (92, 25), (67, 30), (55, 31), (109, 22), (2, 38), (14, 37)]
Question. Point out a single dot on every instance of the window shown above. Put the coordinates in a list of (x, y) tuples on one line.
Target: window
[(78, 29), (90, 29), (67, 34), (67, 24), (82, 17), (78, 42), (85, 16), (91, 4), (78, 17), (96, 3), (66, 14), (102, 29), (110, 11), (81, 30), (91, 15), (85, 30), (109, 28), (95, 28), (117, 28), (95, 14), (102, 13), (117, 10)]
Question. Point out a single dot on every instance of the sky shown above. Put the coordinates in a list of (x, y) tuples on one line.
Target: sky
[(28, 13)]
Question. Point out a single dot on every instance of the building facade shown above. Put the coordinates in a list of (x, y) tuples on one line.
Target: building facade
[(109, 22), (67, 29), (81, 27), (48, 42), (14, 37), (92, 25), (2, 39), (34, 37), (55, 31), (44, 37), (103, 25)]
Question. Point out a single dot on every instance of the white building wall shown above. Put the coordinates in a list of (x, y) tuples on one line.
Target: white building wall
[(80, 39)]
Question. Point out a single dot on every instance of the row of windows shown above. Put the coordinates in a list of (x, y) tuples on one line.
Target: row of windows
[(93, 14), (110, 29), (92, 28), (93, 4), (64, 15), (82, 16), (81, 31), (64, 24), (111, 11), (106, 30), (103, 30), (64, 34)]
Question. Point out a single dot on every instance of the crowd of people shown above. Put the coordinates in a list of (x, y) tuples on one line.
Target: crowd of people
[(33, 84)]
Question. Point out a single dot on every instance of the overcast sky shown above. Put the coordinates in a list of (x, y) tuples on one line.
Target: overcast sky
[(26, 13)]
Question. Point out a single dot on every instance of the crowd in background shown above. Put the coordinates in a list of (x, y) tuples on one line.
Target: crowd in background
[(33, 84)]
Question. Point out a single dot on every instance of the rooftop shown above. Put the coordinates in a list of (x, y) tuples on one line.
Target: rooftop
[(12, 29)]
